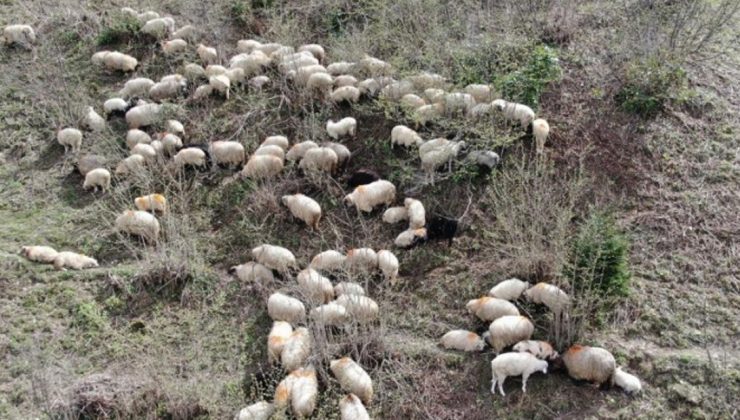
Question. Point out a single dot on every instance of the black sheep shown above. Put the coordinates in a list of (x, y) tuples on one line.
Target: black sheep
[(441, 228), (362, 177)]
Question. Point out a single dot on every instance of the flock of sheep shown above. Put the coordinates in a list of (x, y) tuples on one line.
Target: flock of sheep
[(288, 342)]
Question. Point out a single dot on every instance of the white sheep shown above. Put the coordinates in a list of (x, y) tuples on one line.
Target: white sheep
[(353, 378), (322, 159), (286, 51), (540, 349), (320, 82), (345, 80), (151, 202), (187, 32), (143, 115), (458, 103), (247, 45), (131, 164), (412, 101), (330, 314), (159, 27), (215, 70), (174, 126), (340, 67), (480, 93), (139, 223), (98, 58), (298, 150), (395, 215), (274, 257), (540, 130), (489, 308), (388, 264), (303, 73), (369, 87), (509, 289), (202, 92), (174, 46), (410, 237), (144, 17), (416, 213), (304, 392), (171, 143), (22, 35), (194, 71), (157, 146), (207, 55), (514, 111), (315, 49), (435, 96), (593, 364), (252, 272), (345, 127), (220, 83), (74, 261), (462, 340), (361, 259), (93, 120), (405, 136), (424, 114), (343, 153), (426, 80), (271, 150), (345, 93), (37, 253), (136, 87), (282, 307), (87, 163), (190, 156), (281, 141), (361, 308), (550, 295), (282, 394), (147, 151), (227, 152), (348, 288), (514, 364), (328, 261), (70, 138), (508, 330), (115, 60), (97, 178), (114, 105), (315, 287), (351, 408), (258, 82), (304, 208), (296, 350), (262, 166), (252, 63), (262, 410), (374, 66), (365, 197), (235, 76), (279, 335), (437, 156), (396, 90), (628, 382)]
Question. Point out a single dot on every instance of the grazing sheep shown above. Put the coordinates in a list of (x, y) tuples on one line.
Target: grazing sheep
[(190, 156), (174, 46), (274, 257), (437, 156), (315, 49), (215, 70), (303, 73), (74, 261), (133, 163), (550, 295), (296, 350), (262, 166), (115, 60), (345, 127), (301, 68), (412, 101), (258, 82), (345, 80), (416, 213), (369, 87), (247, 45), (514, 111), (262, 410), (146, 151), (98, 58), (629, 383), (388, 264), (144, 17), (158, 147), (365, 197), (174, 126), (281, 141), (253, 272), (361, 308), (395, 215), (488, 308), (442, 228), (37, 253), (87, 163), (480, 110), (320, 82), (315, 287), (540, 130), (373, 66), (427, 113), (508, 330), (458, 103), (139, 86), (348, 288), (395, 90), (340, 67), (484, 160), (220, 83), (285, 52), (252, 63), (194, 71), (282, 394), (93, 120), (282, 307), (235, 76), (115, 106), (304, 208), (361, 259), (70, 138), (514, 364), (202, 92), (139, 223), (362, 176), (405, 136), (351, 408), (143, 115), (279, 335), (270, 150), (510, 289), (330, 314), (593, 364), (480, 93), (227, 152), (298, 150), (435, 96), (425, 80), (353, 378), (187, 32), (328, 261), (304, 392), (345, 93), (540, 349), (152, 202), (159, 27), (22, 35), (170, 143), (207, 55), (97, 178), (462, 340), (410, 238), (321, 159)]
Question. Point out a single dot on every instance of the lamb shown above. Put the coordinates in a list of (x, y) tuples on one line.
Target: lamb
[(514, 111), (97, 178), (345, 93), (480, 93), (70, 138), (87, 163), (416, 213), (93, 120), (412, 101), (508, 330), (330, 314), (194, 71), (629, 383), (438, 156), (343, 153), (139, 86), (227, 152), (345, 80), (207, 55), (550, 295), (174, 126), (353, 378), (146, 151), (351, 408), (340, 67), (258, 82), (405, 136), (462, 340), (395, 215), (540, 130), (348, 288), (42, 254), (303, 73), (304, 392), (116, 106), (156, 203), (361, 308), (315, 287), (442, 228), (262, 410), (489, 309), (365, 197), (296, 349), (159, 27), (282, 307), (187, 32), (593, 364), (139, 223), (281, 141), (190, 156), (304, 208), (171, 143), (328, 261), (115, 60), (321, 159), (388, 264), (540, 349), (315, 49), (514, 364), (484, 160), (22, 35), (143, 115), (247, 45), (262, 166), (133, 163), (279, 335), (274, 257), (410, 238), (174, 46), (427, 113), (509, 289), (74, 261), (345, 127), (253, 272), (320, 82), (362, 176), (361, 259)]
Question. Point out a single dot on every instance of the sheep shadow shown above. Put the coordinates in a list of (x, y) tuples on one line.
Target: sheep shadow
[(50, 156), (72, 193)]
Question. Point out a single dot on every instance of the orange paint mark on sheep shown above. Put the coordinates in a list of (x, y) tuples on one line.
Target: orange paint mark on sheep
[(472, 336), (575, 348)]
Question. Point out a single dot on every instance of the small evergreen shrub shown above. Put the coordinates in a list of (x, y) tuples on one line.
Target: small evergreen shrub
[(649, 85), (526, 84), (121, 30)]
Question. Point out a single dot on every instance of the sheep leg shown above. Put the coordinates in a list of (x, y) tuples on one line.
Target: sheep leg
[(524, 383), (501, 386), (493, 386)]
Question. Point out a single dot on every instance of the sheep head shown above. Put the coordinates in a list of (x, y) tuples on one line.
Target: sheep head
[(499, 104)]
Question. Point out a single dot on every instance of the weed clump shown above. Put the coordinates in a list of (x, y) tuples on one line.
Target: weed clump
[(649, 85), (526, 84), (121, 30)]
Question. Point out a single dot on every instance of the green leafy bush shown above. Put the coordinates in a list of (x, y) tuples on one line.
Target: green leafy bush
[(120, 30), (526, 84), (648, 85)]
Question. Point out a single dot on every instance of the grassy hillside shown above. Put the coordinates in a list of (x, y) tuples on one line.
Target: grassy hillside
[(642, 161)]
